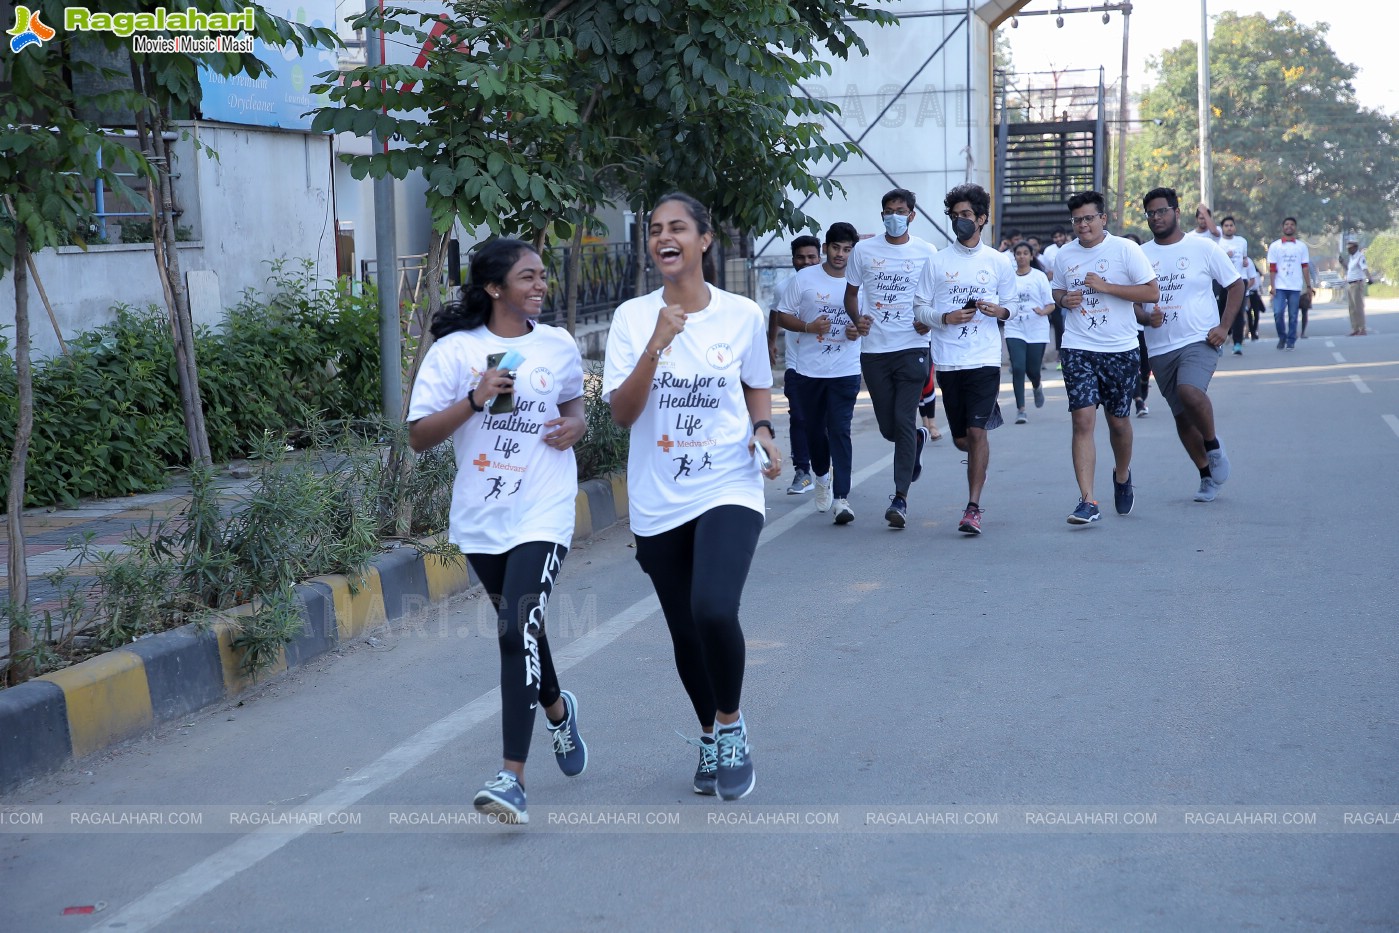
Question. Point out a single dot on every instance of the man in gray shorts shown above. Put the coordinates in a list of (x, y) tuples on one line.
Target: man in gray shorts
[(1184, 330)]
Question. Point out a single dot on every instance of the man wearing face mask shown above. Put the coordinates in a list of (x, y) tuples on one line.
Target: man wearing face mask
[(963, 291), (881, 276)]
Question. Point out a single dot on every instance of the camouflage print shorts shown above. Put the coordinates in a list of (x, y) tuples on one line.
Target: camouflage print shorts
[(1107, 379)]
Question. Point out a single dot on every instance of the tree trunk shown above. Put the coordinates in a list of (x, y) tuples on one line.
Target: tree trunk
[(21, 639), (402, 463), (150, 133), (575, 267)]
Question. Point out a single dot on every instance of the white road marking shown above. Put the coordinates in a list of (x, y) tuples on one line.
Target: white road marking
[(1393, 423), (1360, 384), (1330, 343), (1339, 358), (175, 894)]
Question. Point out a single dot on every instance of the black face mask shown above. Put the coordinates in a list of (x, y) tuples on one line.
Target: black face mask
[(964, 229)]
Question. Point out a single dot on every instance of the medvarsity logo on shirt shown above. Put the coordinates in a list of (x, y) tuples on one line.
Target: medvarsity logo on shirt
[(29, 29), (506, 446)]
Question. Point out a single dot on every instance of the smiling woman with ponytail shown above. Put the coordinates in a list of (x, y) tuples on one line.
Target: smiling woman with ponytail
[(512, 517), (687, 370)]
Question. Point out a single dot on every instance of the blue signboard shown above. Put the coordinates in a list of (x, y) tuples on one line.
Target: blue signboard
[(279, 99)]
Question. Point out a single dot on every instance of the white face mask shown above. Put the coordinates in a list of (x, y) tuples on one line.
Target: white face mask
[(896, 225)]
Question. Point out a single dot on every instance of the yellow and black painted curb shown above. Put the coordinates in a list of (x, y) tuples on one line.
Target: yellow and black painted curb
[(83, 709)]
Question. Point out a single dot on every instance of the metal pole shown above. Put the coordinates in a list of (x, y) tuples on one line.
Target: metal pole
[(1122, 121), (386, 264), (1206, 170)]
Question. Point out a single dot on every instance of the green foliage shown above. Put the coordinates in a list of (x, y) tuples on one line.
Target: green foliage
[(488, 68), (524, 121), (1287, 136), (1382, 256), (604, 447), (107, 417), (139, 231)]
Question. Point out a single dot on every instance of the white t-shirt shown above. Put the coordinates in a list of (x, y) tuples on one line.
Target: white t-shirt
[(1289, 256), (1236, 248), (790, 339), (1102, 323), (808, 295), (887, 275), (1047, 257), (511, 487), (1032, 292), (689, 447), (1205, 234), (1186, 272), (955, 276), (1356, 269)]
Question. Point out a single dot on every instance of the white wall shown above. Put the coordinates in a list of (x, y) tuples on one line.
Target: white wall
[(924, 140), (266, 195)]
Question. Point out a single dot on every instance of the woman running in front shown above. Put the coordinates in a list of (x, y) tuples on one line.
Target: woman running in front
[(687, 370), (513, 499), (1027, 331)]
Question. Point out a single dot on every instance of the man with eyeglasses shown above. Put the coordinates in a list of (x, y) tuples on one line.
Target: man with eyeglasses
[(1184, 332), (1097, 278), (963, 290), (881, 276)]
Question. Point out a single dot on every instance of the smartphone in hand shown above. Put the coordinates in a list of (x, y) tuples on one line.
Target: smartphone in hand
[(510, 360)]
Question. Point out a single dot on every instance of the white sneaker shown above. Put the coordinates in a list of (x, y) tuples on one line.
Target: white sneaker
[(844, 513), (1208, 490), (823, 492)]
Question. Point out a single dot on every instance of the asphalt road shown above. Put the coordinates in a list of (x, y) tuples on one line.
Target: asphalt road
[(1182, 719)]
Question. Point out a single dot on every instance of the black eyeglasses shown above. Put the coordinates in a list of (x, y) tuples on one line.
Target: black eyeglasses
[(1085, 219), (1159, 212), (964, 215)]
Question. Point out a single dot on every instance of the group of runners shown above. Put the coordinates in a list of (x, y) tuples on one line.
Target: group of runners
[(688, 371), (907, 310)]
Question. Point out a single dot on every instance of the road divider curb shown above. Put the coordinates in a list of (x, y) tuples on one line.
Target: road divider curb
[(81, 710)]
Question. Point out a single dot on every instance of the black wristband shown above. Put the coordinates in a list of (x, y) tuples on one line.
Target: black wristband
[(471, 400), (765, 424)]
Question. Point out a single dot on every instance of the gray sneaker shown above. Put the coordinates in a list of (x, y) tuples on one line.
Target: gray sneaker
[(706, 775), (1039, 397), (503, 798), (1208, 490), (801, 483), (569, 749), (1219, 465), (736, 778)]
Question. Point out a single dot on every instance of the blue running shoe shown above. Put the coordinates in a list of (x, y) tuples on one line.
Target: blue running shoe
[(569, 750), (1122, 495), (1084, 513), (735, 777), (503, 798), (897, 513)]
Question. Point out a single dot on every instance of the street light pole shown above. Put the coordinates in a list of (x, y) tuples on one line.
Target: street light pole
[(386, 261), (1122, 121), (1206, 170)]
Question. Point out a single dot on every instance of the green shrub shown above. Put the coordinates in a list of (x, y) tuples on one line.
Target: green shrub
[(604, 447), (107, 418)]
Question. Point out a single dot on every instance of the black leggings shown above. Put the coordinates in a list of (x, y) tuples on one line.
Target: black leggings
[(1255, 310), (519, 583), (715, 552)]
